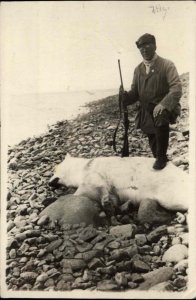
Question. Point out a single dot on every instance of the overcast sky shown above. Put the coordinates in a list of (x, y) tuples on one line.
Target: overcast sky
[(56, 46)]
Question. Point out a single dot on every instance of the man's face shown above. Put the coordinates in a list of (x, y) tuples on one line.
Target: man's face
[(147, 50)]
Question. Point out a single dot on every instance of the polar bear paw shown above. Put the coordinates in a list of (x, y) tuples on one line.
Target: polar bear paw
[(107, 205), (180, 218)]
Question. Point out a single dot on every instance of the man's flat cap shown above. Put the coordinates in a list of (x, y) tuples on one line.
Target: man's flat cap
[(146, 39)]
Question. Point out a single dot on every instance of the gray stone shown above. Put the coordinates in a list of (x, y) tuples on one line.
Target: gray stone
[(179, 282), (26, 287), (88, 233), (154, 277), (137, 278), (10, 225), (185, 238), (89, 255), (113, 245), (162, 287), (127, 230), (181, 266), (110, 270), (151, 212), (23, 260), (42, 277), (95, 263), (67, 277), (53, 245), (176, 240), (49, 282), (22, 209), (26, 234), (23, 248), (132, 285), (154, 235), (175, 253), (177, 161), (12, 243), (81, 285), (140, 266), (107, 285), (41, 252), (12, 253), (53, 273), (121, 279), (140, 239), (72, 209), (121, 254), (29, 277), (157, 250), (20, 221), (124, 266), (63, 285), (73, 263), (88, 275), (84, 247)]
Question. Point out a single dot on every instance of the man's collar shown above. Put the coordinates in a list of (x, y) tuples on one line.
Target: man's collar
[(150, 62)]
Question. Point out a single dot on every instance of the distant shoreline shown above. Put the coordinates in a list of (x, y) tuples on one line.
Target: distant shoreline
[(30, 115)]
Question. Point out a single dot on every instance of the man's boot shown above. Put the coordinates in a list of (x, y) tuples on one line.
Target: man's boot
[(162, 140)]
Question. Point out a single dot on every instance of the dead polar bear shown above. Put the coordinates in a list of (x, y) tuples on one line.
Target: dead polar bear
[(133, 179)]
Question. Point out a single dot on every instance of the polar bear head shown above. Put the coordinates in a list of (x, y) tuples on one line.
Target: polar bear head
[(68, 173)]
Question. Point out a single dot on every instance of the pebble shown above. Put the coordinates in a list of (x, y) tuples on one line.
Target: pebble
[(12, 253), (176, 240), (155, 235), (184, 238), (127, 230), (42, 277), (179, 282), (140, 239), (140, 266), (121, 279), (53, 245), (29, 277), (137, 278), (74, 264), (182, 265), (107, 285), (95, 263)]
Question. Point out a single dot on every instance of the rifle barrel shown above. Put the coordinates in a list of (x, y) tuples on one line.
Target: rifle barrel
[(120, 73)]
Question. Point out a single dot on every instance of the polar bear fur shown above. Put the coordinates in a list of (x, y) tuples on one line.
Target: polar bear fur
[(132, 178)]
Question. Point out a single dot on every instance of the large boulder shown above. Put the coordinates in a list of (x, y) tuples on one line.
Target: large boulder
[(175, 253), (155, 277), (151, 212), (72, 209)]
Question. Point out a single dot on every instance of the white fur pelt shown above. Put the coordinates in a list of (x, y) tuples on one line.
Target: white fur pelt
[(133, 179)]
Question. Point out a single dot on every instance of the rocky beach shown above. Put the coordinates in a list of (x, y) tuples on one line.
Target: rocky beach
[(43, 255)]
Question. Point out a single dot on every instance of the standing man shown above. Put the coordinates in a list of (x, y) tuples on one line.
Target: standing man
[(157, 87)]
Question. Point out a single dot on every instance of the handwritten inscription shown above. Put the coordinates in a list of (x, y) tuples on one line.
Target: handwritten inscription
[(159, 9)]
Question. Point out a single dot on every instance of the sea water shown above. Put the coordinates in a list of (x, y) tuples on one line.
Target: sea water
[(29, 115)]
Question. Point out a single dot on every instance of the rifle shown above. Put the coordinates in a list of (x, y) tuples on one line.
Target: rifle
[(122, 107)]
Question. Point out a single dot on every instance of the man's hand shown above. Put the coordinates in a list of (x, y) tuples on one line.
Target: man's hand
[(124, 95), (121, 91), (159, 108)]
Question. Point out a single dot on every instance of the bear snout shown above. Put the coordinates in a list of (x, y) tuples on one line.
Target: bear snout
[(54, 182)]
